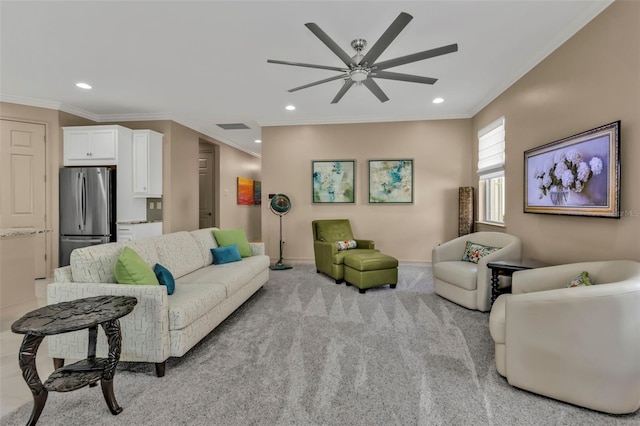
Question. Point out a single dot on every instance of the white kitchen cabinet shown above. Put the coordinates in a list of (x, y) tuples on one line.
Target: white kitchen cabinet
[(138, 231), (93, 145), (147, 164)]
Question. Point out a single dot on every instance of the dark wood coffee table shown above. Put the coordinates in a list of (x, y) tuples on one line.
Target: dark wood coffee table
[(507, 268), (63, 318)]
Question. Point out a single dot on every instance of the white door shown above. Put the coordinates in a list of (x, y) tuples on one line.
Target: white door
[(205, 171), (22, 183)]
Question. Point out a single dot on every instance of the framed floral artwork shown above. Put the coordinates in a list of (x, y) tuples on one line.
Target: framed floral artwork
[(578, 175), (391, 181), (333, 181)]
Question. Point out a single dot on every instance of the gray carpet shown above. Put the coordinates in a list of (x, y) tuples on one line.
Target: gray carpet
[(305, 351)]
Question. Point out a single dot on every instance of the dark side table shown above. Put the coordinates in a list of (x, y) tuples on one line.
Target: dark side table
[(63, 318), (507, 268)]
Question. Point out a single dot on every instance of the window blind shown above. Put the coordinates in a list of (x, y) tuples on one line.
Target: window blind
[(491, 148)]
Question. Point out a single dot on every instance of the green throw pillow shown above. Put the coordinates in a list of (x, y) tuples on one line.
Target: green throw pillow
[(130, 268), (473, 252), (581, 280), (233, 236)]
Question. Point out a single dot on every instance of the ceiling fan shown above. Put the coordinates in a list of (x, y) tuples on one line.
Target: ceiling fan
[(362, 69)]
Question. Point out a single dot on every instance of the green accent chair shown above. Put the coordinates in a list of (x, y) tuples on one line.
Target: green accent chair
[(329, 260)]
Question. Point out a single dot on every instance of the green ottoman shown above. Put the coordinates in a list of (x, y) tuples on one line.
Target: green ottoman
[(368, 270)]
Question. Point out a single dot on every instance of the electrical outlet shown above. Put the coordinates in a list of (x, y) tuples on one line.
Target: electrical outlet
[(158, 205), (152, 205)]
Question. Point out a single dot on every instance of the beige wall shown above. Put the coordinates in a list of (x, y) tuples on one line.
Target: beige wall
[(591, 80), (180, 172), (442, 163)]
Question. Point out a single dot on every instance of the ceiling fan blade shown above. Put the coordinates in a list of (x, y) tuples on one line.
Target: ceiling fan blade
[(403, 77), (385, 39), (416, 57), (375, 89), (315, 83), (346, 86), (300, 64), (330, 43)]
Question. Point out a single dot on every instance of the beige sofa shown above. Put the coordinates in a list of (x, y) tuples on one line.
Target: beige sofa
[(160, 326), (580, 345), (467, 283)]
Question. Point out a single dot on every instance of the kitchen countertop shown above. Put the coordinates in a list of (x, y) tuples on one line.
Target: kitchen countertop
[(136, 222), (16, 232)]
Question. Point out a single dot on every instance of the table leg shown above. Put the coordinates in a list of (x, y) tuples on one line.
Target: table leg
[(27, 362), (114, 338), (495, 290)]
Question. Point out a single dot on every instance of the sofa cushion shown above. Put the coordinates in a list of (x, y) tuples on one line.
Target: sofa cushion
[(473, 252), (233, 236), (165, 278), (94, 264), (192, 301), (233, 276), (458, 272), (130, 268), (346, 245), (206, 242), (226, 254), (179, 252), (581, 280)]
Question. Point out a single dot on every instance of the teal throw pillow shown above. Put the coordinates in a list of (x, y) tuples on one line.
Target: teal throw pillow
[(225, 254), (130, 268), (581, 280), (165, 277), (473, 252), (234, 236), (346, 245)]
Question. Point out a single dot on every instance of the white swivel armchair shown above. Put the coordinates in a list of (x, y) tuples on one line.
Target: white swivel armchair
[(580, 345), (467, 283)]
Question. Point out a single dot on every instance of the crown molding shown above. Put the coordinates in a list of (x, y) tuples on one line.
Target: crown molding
[(107, 118), (357, 120)]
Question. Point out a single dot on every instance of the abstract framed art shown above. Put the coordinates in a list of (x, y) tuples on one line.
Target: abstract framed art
[(391, 181), (577, 176), (333, 181)]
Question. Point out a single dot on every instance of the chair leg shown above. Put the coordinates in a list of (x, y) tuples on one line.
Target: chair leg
[(362, 290), (160, 368), (393, 286), (339, 281)]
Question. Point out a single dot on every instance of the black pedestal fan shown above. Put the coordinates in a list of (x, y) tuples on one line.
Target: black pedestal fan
[(280, 205)]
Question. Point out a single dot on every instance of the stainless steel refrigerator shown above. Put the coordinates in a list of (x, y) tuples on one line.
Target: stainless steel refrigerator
[(87, 208)]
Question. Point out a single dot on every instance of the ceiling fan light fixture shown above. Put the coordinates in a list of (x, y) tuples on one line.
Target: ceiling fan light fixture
[(359, 74), (290, 108), (438, 101)]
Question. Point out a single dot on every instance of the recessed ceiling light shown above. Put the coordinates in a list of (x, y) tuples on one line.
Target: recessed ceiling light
[(83, 86), (258, 141), (438, 101), (289, 107)]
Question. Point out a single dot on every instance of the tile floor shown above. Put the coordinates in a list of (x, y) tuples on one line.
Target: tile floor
[(13, 390)]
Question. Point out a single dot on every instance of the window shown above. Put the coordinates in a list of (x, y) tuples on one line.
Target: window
[(491, 172)]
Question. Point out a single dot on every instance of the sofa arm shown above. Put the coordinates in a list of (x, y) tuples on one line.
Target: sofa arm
[(145, 331), (324, 252), (257, 249), (561, 343), (451, 250), (63, 275), (365, 244), (547, 278)]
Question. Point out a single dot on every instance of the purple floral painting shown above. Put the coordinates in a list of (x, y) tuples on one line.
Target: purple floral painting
[(576, 175)]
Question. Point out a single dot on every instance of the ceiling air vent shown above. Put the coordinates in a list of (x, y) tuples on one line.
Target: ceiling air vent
[(233, 126)]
